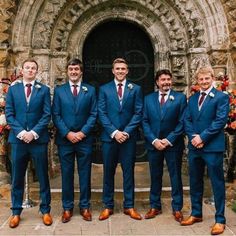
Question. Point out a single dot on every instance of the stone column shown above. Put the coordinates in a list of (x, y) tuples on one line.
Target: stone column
[(4, 175)]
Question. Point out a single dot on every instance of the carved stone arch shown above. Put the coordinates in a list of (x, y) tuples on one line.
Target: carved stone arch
[(143, 15)]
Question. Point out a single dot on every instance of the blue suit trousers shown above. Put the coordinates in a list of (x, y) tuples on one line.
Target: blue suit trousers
[(113, 152), (21, 154), (174, 162), (67, 154), (214, 162)]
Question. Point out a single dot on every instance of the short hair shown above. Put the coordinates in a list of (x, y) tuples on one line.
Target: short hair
[(30, 60), (204, 70), (74, 62), (119, 60), (163, 72)]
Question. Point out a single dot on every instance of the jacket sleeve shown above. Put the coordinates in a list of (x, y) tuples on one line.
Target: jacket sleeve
[(137, 116), (220, 119), (46, 114), (148, 133), (56, 114), (102, 113), (179, 129), (86, 129), (11, 114)]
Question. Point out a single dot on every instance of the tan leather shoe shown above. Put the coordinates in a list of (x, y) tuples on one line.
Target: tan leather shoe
[(217, 228), (86, 213), (178, 215), (47, 219), (132, 213), (191, 220), (105, 214), (66, 216), (152, 213), (14, 221)]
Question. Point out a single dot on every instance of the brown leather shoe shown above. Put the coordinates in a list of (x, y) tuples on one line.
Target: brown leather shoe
[(191, 220), (217, 228), (86, 213), (14, 221), (178, 215), (66, 216), (47, 219), (105, 214), (132, 213), (152, 213)]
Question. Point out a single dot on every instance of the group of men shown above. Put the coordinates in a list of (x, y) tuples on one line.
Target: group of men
[(165, 116)]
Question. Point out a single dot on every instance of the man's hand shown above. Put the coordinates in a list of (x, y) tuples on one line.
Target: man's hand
[(80, 135), (121, 137), (159, 145), (197, 141), (72, 137), (165, 142), (27, 137)]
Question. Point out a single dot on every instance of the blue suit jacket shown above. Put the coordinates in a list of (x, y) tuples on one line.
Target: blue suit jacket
[(74, 113), (209, 122), (34, 116), (113, 116), (164, 121)]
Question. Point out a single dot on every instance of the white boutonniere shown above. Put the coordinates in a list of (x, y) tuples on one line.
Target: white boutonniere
[(37, 86), (18, 81), (172, 98), (130, 86), (211, 94), (85, 89)]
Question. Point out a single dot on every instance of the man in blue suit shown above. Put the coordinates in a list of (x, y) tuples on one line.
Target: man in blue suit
[(163, 130), (28, 112), (205, 118), (74, 115), (120, 112)]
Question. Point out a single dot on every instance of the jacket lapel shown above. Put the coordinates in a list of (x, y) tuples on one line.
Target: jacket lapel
[(114, 94), (166, 106), (127, 91), (22, 94), (34, 93)]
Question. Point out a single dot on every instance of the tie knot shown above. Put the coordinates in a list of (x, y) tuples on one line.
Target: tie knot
[(120, 84), (163, 94), (203, 93), (75, 85), (28, 85)]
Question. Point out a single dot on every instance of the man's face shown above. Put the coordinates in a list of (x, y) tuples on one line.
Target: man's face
[(29, 71), (164, 82), (205, 81), (120, 70), (74, 73)]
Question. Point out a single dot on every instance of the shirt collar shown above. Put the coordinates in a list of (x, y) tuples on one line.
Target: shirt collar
[(118, 82), (31, 82), (71, 84), (206, 91), (166, 92)]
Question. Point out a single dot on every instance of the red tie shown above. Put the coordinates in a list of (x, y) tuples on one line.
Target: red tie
[(203, 94), (28, 90), (120, 90), (162, 98), (75, 92)]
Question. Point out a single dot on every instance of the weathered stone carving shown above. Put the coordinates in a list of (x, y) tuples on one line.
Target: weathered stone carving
[(218, 58), (44, 24)]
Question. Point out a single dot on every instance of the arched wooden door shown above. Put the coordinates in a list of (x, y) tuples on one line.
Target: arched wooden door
[(105, 43)]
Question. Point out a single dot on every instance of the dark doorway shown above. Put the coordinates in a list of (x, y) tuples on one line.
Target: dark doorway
[(118, 39)]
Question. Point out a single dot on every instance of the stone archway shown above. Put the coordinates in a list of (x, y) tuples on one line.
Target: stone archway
[(184, 34)]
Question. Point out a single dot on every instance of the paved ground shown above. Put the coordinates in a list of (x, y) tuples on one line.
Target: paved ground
[(117, 224)]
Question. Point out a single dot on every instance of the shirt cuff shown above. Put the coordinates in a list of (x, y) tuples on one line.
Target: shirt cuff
[(169, 143), (19, 136), (114, 133), (154, 141), (34, 134)]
